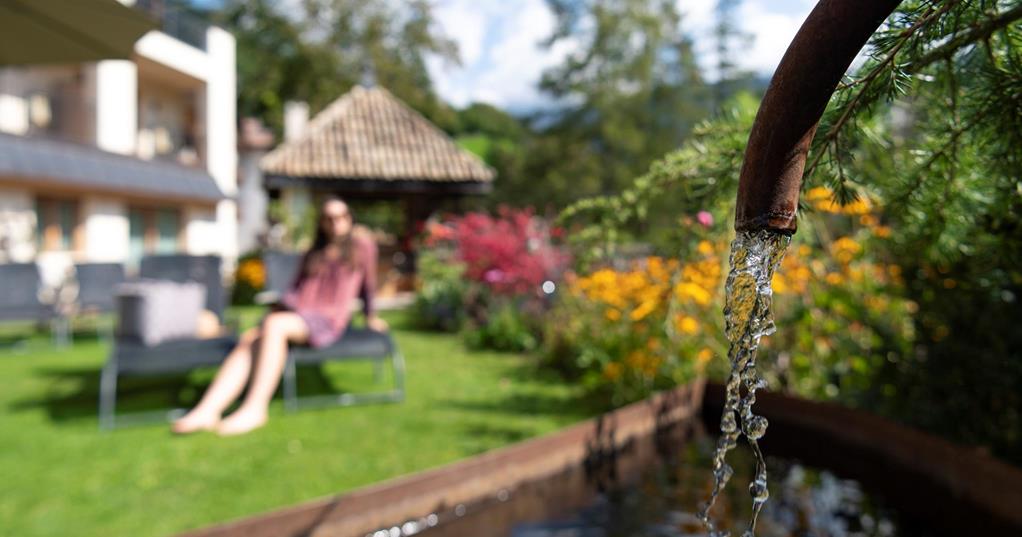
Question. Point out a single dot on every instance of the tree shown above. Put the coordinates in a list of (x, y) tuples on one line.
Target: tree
[(501, 140), (630, 92), (318, 52), (730, 40)]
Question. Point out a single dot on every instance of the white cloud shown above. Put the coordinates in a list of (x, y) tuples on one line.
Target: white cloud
[(770, 24), (502, 60), (772, 31), (465, 24), (520, 58)]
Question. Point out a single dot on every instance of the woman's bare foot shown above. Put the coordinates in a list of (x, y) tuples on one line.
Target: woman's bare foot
[(195, 421), (242, 421)]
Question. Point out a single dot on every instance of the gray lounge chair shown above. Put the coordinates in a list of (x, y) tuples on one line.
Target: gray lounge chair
[(129, 357), (19, 298), (97, 284), (357, 344)]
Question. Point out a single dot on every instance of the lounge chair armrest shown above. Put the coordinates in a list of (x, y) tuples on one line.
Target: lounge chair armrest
[(267, 298)]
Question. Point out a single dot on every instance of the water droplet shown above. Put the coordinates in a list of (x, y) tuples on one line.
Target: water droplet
[(755, 428), (728, 424), (758, 490), (723, 474)]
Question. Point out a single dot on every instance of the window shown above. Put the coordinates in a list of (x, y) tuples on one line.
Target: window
[(153, 231), (136, 235), (57, 227), (167, 227)]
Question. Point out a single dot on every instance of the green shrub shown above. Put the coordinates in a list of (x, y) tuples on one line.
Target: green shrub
[(506, 327), (439, 304)]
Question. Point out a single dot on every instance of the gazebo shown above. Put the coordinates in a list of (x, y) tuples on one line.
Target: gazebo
[(369, 145)]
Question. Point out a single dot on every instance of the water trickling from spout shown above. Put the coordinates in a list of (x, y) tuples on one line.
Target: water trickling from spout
[(754, 256)]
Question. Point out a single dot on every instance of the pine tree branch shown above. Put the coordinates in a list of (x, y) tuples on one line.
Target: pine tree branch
[(976, 33), (944, 150), (871, 77)]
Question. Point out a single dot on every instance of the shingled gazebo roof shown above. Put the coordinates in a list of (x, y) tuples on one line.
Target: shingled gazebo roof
[(369, 141)]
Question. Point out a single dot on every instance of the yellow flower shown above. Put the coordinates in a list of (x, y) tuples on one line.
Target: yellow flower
[(845, 249), (833, 278), (686, 324), (693, 292), (657, 269), (882, 231), (860, 206), (794, 275), (704, 356), (819, 193), (643, 310), (612, 314), (822, 198), (612, 371), (252, 272), (778, 284), (705, 248)]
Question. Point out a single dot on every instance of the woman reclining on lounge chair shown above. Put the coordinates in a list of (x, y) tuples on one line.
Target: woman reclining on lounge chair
[(340, 264)]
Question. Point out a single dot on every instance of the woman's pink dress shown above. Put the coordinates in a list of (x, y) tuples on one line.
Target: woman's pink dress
[(324, 298)]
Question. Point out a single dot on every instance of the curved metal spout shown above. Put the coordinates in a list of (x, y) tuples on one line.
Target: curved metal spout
[(811, 68)]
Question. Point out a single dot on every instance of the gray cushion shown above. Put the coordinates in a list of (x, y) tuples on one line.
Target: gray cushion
[(155, 311)]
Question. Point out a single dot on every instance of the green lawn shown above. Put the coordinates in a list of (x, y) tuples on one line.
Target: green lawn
[(61, 476)]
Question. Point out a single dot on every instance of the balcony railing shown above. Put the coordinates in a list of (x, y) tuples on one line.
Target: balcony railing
[(55, 115), (176, 21)]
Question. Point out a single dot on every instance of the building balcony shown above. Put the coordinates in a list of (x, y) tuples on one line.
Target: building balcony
[(176, 21)]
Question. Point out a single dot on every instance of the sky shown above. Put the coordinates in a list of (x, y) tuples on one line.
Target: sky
[(502, 59)]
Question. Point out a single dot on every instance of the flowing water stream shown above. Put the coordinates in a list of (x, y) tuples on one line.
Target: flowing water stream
[(754, 256)]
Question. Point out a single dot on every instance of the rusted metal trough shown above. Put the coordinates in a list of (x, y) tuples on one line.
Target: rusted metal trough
[(962, 491)]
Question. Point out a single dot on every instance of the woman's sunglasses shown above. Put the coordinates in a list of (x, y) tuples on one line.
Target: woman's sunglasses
[(335, 217)]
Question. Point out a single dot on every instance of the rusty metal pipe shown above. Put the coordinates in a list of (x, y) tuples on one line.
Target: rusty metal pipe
[(811, 68)]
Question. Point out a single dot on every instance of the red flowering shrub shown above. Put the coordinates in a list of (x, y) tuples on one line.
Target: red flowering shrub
[(487, 274), (511, 253)]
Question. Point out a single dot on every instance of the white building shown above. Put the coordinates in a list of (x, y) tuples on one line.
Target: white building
[(109, 161)]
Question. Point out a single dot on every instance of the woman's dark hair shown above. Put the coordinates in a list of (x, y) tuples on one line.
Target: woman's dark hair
[(321, 239)]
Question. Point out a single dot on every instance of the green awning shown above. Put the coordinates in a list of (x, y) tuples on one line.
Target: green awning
[(68, 31)]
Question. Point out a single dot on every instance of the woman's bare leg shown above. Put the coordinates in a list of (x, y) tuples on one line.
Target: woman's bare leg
[(226, 387), (278, 329)]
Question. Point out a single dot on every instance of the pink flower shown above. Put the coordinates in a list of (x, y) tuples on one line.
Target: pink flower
[(704, 218), (493, 276)]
